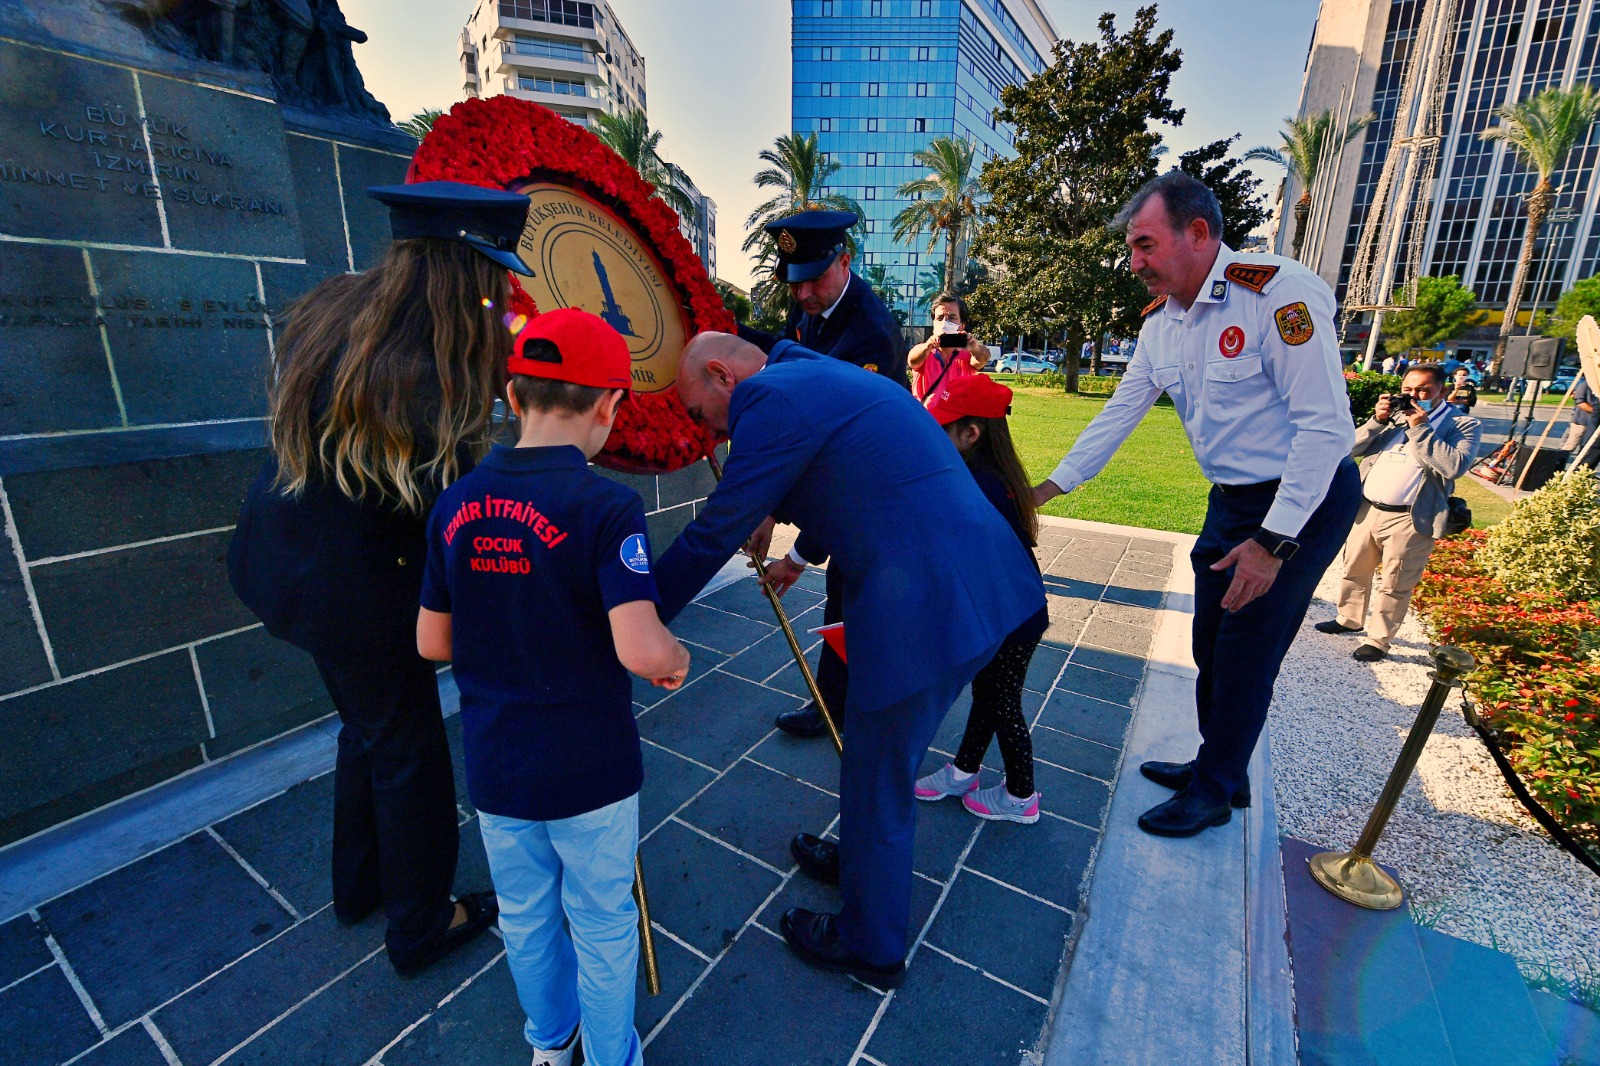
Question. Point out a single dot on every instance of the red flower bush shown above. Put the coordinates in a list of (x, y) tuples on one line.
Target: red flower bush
[(1538, 677), (502, 141)]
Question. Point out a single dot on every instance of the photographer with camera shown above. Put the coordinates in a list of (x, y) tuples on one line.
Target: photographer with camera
[(947, 355), (1411, 451)]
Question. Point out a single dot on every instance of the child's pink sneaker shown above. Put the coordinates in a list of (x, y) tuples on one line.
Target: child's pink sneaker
[(997, 805), (942, 782)]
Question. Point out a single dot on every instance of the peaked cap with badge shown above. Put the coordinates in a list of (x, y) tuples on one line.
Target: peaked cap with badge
[(490, 220), (809, 241)]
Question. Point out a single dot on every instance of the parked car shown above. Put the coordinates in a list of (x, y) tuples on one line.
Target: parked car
[(1563, 380), (1030, 364)]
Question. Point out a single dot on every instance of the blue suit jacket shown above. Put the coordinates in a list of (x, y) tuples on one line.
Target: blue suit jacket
[(933, 575)]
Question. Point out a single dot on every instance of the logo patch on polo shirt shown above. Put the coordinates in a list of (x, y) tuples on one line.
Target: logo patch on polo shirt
[(1294, 323), (634, 555)]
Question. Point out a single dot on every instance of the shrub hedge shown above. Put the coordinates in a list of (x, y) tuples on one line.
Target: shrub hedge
[(1365, 387)]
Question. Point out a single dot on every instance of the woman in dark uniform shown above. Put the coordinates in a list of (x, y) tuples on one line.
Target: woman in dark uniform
[(383, 389)]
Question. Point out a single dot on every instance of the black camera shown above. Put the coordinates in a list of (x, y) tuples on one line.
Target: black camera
[(1401, 404), (952, 340)]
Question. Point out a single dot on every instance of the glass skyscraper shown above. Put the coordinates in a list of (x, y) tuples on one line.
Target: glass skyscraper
[(876, 80)]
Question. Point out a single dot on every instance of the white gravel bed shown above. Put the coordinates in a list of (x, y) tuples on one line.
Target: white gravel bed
[(1465, 849)]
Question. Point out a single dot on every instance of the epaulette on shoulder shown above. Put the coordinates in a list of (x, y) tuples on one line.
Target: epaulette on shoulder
[(1151, 307), (1252, 276)]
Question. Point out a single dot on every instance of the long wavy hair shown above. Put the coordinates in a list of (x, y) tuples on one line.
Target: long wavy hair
[(351, 359), (994, 449)]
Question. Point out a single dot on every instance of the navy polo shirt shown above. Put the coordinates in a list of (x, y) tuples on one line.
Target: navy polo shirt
[(527, 554)]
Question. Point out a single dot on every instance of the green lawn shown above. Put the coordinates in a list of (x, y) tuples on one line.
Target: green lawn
[(1153, 481)]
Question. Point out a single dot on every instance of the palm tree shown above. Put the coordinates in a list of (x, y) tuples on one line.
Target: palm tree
[(630, 136), (1542, 130), (421, 124), (878, 279), (946, 201), (799, 171), (1304, 140)]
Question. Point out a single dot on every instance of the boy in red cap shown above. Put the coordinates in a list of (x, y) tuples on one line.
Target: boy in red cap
[(538, 586), (973, 412)]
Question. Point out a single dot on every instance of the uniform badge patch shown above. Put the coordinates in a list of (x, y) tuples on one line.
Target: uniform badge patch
[(786, 242), (1294, 323), (1152, 306), (1231, 343), (634, 555), (870, 366), (1252, 277), (1219, 290)]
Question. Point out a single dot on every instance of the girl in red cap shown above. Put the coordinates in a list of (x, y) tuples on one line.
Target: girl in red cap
[(973, 412)]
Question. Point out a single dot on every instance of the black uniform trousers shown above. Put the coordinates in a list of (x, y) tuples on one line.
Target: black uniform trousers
[(395, 832), (1239, 652), (833, 676)]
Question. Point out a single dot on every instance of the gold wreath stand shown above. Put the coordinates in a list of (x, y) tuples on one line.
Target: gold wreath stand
[(1352, 875)]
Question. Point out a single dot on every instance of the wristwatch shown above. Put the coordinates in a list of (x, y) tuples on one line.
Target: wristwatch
[(1280, 547)]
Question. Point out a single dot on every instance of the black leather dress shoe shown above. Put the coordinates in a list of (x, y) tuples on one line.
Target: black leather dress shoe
[(806, 722), (818, 858), (482, 910), (1189, 812), (1333, 625), (1368, 653), (815, 938), (354, 914), (1177, 775)]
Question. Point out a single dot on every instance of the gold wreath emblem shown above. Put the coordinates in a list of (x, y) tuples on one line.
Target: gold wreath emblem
[(786, 242)]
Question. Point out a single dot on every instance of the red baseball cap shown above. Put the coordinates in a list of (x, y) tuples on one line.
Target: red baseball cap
[(588, 351), (977, 396)]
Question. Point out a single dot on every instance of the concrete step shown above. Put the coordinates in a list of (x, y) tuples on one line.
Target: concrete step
[(1363, 995), (1484, 1003), (1573, 1031)]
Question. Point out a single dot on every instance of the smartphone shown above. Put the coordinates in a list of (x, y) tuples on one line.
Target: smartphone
[(952, 340)]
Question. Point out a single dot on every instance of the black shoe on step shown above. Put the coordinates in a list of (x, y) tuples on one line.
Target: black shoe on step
[(1334, 626), (806, 722), (482, 910), (818, 858), (1189, 812), (815, 938), (1368, 653), (1177, 775)]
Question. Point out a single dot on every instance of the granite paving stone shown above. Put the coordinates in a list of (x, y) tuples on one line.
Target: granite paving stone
[(1002, 931), (1071, 795), (731, 1018), (811, 759), (769, 654), (746, 598), (948, 739), (1044, 668), (944, 828), (211, 1019), (669, 779), (482, 1026), (22, 949), (1046, 859), (131, 1047), (1127, 614), (1063, 631), (1127, 664), (678, 967), (802, 891), (289, 841), (1124, 588), (948, 1006), (1075, 753), (718, 630), (1102, 632), (1069, 597), (789, 678), (120, 932), (702, 661), (758, 811), (699, 889), (1083, 716), (1090, 570), (1150, 547), (715, 721), (453, 726), (1102, 685), (43, 1021)]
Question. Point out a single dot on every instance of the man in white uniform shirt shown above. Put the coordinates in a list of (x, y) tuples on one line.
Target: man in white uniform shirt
[(1415, 446), (1245, 346)]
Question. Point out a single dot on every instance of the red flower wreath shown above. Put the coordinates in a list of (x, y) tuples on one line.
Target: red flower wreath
[(501, 141)]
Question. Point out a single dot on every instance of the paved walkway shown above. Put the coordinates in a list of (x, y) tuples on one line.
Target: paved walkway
[(221, 947)]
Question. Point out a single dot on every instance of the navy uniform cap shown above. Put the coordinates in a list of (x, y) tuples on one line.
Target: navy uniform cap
[(489, 220), (809, 242)]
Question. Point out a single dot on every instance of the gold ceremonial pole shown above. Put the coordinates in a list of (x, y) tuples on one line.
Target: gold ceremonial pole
[(647, 936), (1352, 875), (788, 632)]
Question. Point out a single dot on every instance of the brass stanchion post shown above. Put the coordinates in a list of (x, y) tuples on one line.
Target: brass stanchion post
[(1352, 875), (647, 936), (788, 632)]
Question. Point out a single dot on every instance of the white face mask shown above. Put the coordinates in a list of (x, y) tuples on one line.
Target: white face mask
[(947, 325)]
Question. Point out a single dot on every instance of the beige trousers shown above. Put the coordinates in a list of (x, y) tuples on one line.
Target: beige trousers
[(1386, 543)]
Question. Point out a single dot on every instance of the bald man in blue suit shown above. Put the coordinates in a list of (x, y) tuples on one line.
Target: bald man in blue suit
[(874, 483)]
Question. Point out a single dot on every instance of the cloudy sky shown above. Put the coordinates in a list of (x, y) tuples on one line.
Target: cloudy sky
[(719, 75)]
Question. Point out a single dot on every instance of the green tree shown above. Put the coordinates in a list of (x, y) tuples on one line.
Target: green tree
[(1542, 130), (1301, 154), (944, 202), (630, 136), (421, 124), (1243, 208), (1084, 144), (737, 303), (883, 286), (1443, 311), (799, 171), (1582, 299)]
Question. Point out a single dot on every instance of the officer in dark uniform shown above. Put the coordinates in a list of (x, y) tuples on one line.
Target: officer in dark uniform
[(837, 314), (330, 544)]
